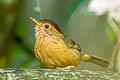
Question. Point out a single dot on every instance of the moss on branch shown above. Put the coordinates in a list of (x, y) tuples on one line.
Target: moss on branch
[(48, 74)]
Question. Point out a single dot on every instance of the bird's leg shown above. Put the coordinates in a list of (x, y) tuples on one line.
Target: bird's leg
[(66, 68)]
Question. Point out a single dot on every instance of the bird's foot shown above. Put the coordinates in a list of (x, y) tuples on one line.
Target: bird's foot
[(66, 68)]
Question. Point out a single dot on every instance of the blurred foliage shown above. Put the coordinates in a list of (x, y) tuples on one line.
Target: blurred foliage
[(73, 6), (16, 52), (84, 12), (117, 60), (22, 31), (37, 9), (110, 33)]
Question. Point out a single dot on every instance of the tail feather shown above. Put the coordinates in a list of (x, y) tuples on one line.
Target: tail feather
[(96, 60), (99, 61)]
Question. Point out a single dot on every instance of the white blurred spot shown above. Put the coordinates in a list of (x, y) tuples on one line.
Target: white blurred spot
[(100, 7)]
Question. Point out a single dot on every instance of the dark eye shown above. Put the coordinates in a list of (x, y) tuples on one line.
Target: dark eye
[(46, 26)]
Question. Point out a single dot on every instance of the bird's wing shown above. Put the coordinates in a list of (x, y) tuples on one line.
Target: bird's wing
[(71, 43)]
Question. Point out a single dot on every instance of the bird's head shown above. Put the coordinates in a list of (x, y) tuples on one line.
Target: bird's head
[(47, 27)]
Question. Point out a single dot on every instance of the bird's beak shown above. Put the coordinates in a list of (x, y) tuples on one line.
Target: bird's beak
[(34, 20)]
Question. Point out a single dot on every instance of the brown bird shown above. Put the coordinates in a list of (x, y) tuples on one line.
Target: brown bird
[(54, 50)]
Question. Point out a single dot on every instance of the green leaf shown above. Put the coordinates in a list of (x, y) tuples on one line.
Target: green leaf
[(110, 33), (21, 31)]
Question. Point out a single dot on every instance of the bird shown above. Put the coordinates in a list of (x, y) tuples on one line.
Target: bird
[(54, 50)]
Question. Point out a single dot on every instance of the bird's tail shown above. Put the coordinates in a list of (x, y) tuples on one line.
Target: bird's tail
[(96, 60)]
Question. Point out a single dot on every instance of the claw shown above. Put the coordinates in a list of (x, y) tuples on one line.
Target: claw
[(66, 68)]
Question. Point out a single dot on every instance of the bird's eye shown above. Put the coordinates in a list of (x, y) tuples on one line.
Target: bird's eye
[(47, 26)]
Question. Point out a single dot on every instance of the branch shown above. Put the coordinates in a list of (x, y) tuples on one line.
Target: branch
[(53, 74)]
